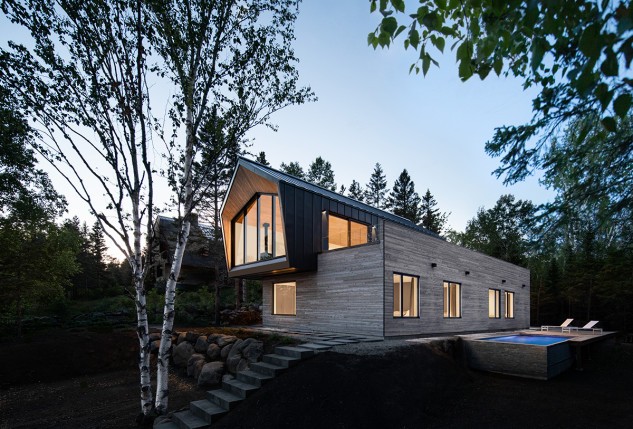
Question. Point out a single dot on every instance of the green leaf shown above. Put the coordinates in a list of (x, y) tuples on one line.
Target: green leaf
[(610, 64), (372, 6), (589, 43), (604, 95), (398, 5), (622, 104), (426, 63), (370, 39), (538, 51), (609, 123), (498, 65), (429, 20), (399, 30), (414, 38), (440, 43), (465, 69), (389, 25)]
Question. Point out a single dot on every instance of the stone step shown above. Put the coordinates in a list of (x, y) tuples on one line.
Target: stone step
[(345, 340), (280, 360), (295, 352), (187, 420), (330, 343), (267, 368), (239, 388), (315, 347), (254, 378), (206, 410), (166, 425), (223, 398)]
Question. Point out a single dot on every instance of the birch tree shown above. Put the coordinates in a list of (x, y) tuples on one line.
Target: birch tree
[(231, 60), (82, 78)]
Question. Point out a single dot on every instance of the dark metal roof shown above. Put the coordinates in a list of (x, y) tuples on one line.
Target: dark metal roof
[(278, 176)]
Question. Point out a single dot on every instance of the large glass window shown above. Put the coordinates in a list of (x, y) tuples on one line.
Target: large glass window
[(345, 233), (509, 298), (494, 303), (258, 232), (285, 298), (251, 233), (452, 300), (405, 295)]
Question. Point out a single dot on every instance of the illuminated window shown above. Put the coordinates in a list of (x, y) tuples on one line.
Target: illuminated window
[(285, 298), (494, 303), (452, 300), (258, 231), (509, 297), (405, 296), (345, 233)]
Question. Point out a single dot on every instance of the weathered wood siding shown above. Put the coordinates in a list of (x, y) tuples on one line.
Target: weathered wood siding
[(344, 295), (411, 252)]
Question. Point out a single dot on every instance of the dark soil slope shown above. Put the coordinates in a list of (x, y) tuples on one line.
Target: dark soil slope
[(419, 388)]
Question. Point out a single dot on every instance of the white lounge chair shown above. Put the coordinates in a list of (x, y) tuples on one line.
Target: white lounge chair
[(588, 327), (562, 326)]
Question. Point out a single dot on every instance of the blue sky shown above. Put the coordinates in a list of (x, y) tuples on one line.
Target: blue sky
[(371, 110)]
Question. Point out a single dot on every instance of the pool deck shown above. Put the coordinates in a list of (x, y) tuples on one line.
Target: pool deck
[(578, 340)]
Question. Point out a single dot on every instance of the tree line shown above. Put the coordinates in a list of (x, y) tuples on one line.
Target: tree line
[(402, 200)]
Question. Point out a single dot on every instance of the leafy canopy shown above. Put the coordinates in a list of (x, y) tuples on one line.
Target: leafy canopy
[(578, 53)]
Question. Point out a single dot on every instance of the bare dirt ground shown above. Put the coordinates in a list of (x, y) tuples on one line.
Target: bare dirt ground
[(61, 384)]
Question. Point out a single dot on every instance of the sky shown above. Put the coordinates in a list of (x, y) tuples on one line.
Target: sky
[(370, 109)]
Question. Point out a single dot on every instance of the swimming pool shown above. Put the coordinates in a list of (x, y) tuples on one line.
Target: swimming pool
[(531, 356), (537, 340)]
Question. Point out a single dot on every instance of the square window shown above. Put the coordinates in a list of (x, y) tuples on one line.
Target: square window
[(285, 298)]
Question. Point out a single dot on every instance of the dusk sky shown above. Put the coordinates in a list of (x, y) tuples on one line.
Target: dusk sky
[(370, 109)]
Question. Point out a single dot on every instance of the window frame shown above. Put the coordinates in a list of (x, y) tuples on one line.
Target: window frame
[(273, 306), (497, 296), (273, 236), (459, 285), (507, 293), (417, 295), (349, 230)]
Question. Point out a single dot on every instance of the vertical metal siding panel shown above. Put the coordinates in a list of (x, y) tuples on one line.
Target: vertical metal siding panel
[(290, 224), (355, 214), (348, 211), (333, 207), (316, 224), (299, 227)]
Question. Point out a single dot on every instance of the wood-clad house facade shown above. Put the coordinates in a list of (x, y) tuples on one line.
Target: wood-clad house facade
[(330, 263)]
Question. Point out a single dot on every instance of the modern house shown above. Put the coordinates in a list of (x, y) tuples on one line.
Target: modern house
[(330, 263)]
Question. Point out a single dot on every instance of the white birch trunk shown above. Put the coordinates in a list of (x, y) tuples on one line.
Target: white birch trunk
[(142, 327), (164, 352)]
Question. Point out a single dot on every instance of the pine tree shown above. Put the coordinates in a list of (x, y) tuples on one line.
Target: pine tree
[(293, 168), (403, 200), (261, 158), (376, 188), (97, 249), (432, 218), (320, 173), (355, 191)]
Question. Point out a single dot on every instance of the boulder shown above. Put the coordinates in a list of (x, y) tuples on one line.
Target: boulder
[(226, 339), (153, 346), (213, 351), (181, 353), (213, 338), (201, 345), (191, 363), (228, 377), (191, 337), (211, 374), (181, 339), (242, 353), (224, 353), (154, 336)]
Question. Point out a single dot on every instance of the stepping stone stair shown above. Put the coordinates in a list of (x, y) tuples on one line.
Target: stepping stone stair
[(203, 413)]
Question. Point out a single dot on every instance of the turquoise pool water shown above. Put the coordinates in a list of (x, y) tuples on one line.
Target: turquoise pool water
[(536, 340)]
